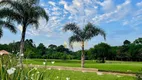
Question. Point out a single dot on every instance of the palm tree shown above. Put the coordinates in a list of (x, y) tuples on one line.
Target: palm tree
[(26, 13), (8, 25), (82, 35)]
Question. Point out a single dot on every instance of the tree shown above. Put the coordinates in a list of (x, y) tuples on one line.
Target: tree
[(52, 46), (138, 41), (82, 35), (24, 12), (126, 42), (8, 25), (41, 49), (102, 50)]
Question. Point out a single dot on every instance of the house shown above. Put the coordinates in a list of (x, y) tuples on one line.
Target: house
[(2, 52)]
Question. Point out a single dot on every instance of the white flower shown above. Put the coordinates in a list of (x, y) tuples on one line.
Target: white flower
[(99, 73), (11, 71), (44, 63), (52, 62), (59, 69), (21, 54), (67, 78)]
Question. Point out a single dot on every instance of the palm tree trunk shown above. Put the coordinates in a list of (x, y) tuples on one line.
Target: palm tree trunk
[(82, 55), (22, 46)]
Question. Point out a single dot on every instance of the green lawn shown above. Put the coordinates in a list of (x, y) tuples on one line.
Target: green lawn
[(109, 65), (77, 75)]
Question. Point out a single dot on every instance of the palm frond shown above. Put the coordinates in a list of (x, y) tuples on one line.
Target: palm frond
[(34, 1), (30, 2), (14, 5), (25, 12), (35, 23), (11, 27), (73, 27), (90, 31), (8, 25), (1, 31), (39, 12), (73, 39), (10, 14)]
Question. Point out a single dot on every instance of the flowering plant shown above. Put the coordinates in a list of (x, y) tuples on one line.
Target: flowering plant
[(9, 70)]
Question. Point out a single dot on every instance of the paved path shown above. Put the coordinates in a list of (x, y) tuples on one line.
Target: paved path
[(81, 69)]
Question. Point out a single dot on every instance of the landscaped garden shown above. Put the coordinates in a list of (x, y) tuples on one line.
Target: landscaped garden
[(114, 59)]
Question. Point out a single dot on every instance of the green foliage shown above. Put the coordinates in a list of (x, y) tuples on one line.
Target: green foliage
[(138, 41), (6, 24), (120, 66), (85, 34), (131, 52), (101, 51), (9, 70), (30, 73), (139, 75), (126, 42)]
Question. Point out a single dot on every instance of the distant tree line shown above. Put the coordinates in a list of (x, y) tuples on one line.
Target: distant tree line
[(101, 52)]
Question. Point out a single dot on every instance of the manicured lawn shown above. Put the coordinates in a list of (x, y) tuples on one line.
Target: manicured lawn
[(109, 65), (77, 75)]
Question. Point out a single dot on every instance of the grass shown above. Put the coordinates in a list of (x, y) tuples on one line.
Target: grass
[(77, 75), (29, 73), (121, 66)]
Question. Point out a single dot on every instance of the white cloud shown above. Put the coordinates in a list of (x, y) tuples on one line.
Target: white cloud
[(55, 8), (139, 4), (56, 13), (20, 28), (69, 8), (52, 3), (119, 13), (42, 4), (107, 5), (125, 23), (79, 11)]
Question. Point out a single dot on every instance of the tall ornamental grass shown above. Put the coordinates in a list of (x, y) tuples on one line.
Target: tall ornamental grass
[(9, 70)]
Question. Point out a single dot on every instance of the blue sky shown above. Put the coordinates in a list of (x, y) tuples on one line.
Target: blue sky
[(120, 19)]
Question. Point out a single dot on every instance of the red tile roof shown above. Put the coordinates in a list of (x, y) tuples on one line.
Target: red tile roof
[(3, 52)]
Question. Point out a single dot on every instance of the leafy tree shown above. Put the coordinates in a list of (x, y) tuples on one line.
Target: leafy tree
[(126, 42), (91, 54), (138, 41), (41, 49), (24, 12), (52, 46), (82, 35), (102, 50)]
